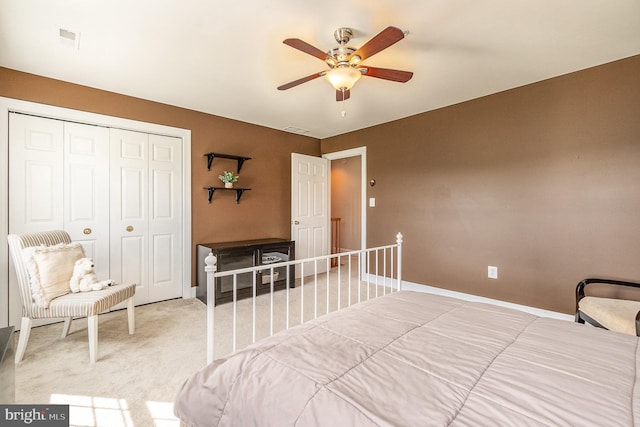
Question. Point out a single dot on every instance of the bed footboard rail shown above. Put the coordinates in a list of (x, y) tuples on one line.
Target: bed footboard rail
[(357, 276)]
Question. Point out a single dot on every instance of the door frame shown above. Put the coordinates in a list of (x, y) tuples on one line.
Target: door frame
[(354, 152), (27, 107)]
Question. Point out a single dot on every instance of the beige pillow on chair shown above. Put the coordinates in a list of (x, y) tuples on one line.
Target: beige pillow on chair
[(50, 269)]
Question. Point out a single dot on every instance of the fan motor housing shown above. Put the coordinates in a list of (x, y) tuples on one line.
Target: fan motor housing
[(341, 54), (343, 35)]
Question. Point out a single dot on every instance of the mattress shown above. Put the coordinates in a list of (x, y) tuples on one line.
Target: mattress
[(415, 359)]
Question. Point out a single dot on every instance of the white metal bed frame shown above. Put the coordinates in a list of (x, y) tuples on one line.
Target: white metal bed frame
[(369, 261)]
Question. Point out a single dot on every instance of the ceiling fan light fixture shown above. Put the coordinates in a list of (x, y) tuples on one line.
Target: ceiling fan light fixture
[(343, 78), (345, 62)]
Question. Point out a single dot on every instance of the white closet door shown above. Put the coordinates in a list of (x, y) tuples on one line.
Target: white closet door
[(35, 185), (165, 222), (35, 174), (146, 223), (129, 210), (117, 192), (86, 189), (59, 179)]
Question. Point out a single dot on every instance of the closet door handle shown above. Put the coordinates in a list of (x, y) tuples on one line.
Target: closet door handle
[(87, 231), (129, 228)]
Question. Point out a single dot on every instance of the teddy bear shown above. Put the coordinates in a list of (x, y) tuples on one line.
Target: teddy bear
[(84, 278)]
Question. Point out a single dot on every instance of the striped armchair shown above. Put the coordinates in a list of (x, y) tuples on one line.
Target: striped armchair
[(82, 304)]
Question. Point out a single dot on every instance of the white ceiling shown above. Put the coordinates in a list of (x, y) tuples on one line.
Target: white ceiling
[(227, 58)]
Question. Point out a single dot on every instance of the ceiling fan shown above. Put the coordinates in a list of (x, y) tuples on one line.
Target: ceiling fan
[(345, 62)]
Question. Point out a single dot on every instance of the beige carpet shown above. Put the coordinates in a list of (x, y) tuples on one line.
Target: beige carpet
[(136, 376)]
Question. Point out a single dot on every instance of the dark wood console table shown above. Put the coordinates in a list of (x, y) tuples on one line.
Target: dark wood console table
[(242, 254)]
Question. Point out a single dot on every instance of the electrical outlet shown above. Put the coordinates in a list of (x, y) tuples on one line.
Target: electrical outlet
[(492, 272)]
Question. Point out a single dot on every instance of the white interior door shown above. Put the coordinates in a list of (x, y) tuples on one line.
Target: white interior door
[(165, 222), (310, 207), (146, 198), (35, 183), (129, 210), (86, 189), (38, 178), (59, 179), (35, 174)]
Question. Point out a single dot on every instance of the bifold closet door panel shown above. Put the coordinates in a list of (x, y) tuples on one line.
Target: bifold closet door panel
[(35, 174), (146, 220), (129, 210), (86, 189), (35, 186), (165, 222), (59, 179)]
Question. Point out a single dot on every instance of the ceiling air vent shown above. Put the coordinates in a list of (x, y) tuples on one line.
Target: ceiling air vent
[(69, 38), (293, 129)]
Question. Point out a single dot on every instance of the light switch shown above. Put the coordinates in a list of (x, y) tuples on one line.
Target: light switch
[(372, 202), (492, 272)]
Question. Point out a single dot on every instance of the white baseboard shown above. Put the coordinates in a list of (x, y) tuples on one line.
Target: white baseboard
[(409, 286)]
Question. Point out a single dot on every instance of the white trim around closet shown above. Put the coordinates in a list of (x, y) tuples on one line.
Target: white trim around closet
[(14, 105)]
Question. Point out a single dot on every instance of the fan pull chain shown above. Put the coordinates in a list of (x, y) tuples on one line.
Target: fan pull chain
[(343, 112)]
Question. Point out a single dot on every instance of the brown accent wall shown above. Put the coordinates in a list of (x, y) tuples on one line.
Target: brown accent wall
[(265, 211), (542, 181)]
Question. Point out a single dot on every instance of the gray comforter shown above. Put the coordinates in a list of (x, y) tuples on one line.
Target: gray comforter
[(413, 359)]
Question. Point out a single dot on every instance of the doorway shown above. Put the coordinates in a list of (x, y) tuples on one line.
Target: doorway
[(348, 196)]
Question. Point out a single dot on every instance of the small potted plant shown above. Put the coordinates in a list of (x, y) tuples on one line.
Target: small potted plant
[(228, 178)]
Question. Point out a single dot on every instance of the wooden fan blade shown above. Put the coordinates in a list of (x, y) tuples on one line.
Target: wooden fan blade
[(300, 81), (387, 74), (343, 96), (306, 48), (383, 40)]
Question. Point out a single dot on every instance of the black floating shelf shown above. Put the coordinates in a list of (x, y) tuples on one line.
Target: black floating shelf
[(212, 155), (238, 191)]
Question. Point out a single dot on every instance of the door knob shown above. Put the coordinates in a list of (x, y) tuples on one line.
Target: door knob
[(87, 231), (295, 222), (129, 228)]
